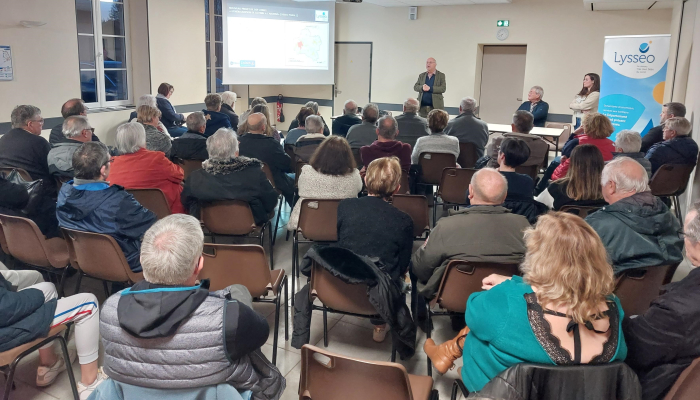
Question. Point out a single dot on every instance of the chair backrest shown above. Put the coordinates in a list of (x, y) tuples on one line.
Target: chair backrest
[(338, 295), (468, 154), (531, 170), (25, 241), (329, 376), (289, 149), (638, 287), (318, 220), (152, 199), (687, 385), (581, 211), (298, 165), (188, 166), (228, 217), (3, 242), (228, 264), (405, 185), (432, 165), (358, 158), (268, 174), (454, 184), (99, 256), (462, 278), (670, 179), (564, 135), (22, 173), (417, 208)]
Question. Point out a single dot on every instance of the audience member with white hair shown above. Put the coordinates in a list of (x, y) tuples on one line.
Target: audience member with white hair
[(628, 144), (387, 145), (192, 145), (467, 127), (71, 108), (521, 125), (226, 176), (342, 124), (637, 228), (77, 130), (149, 118), (138, 167), (169, 331), (300, 130), (536, 106), (365, 133), (146, 100), (677, 147), (314, 106), (437, 141), (306, 144), (411, 125), (662, 342), (228, 103)]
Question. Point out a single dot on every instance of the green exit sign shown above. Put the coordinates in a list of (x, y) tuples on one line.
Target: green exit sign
[(503, 22)]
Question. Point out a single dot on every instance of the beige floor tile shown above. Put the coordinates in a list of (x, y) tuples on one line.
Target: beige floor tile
[(286, 360), (25, 391)]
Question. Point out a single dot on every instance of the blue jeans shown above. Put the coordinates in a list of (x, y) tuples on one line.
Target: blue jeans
[(177, 131), (544, 182), (578, 123)]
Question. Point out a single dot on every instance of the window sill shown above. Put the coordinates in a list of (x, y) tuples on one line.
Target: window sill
[(110, 109)]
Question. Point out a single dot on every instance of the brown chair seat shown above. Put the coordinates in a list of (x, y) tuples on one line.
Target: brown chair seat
[(277, 277), (421, 386), (8, 356), (638, 287), (57, 252), (416, 207), (687, 385)]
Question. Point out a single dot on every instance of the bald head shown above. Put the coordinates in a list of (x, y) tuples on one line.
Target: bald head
[(257, 123), (350, 108), (623, 177), (73, 107), (488, 187)]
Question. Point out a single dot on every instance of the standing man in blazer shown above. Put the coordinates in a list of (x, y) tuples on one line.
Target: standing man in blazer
[(430, 86), (535, 106)]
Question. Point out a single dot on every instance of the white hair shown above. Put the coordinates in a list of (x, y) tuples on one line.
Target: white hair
[(680, 125), (222, 145), (312, 105), (629, 141), (313, 124), (539, 91), (614, 172), (411, 105), (229, 97), (468, 104), (350, 107), (74, 126), (195, 121), (131, 137), (146, 100), (692, 228), (171, 249)]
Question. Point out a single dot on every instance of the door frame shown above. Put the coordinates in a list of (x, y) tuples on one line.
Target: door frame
[(371, 52), (480, 65)]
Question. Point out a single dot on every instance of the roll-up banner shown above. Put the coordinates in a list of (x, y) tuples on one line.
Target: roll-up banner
[(633, 81)]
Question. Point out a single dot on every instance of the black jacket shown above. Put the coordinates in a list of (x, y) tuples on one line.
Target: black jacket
[(679, 150), (21, 149), (232, 116), (190, 146), (343, 123), (215, 121), (558, 193), (383, 292), (57, 136), (238, 179), (24, 315), (169, 117), (13, 196), (527, 207), (271, 152), (295, 124), (663, 341), (654, 136)]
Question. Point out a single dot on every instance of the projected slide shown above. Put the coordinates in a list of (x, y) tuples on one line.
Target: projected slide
[(297, 38)]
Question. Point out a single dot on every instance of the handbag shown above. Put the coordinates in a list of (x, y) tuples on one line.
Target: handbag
[(35, 189)]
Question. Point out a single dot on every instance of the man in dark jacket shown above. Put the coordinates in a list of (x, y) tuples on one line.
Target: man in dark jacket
[(677, 147), (192, 145), (411, 125), (342, 124), (215, 118), (314, 106), (535, 106), (365, 133), (255, 144), (70, 108), (88, 203), (656, 134), (663, 341), (467, 127), (226, 176), (637, 228)]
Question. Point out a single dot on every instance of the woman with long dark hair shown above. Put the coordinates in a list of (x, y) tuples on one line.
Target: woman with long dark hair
[(586, 101)]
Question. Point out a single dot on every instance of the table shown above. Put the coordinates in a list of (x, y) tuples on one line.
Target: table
[(551, 135)]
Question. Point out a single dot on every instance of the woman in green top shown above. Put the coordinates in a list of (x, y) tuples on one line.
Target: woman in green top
[(561, 311)]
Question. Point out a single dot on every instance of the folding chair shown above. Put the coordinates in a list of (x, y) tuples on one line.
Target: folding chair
[(189, 166), (405, 187), (289, 149), (468, 155), (246, 264), (530, 170), (329, 376), (417, 208), (358, 158), (453, 188), (280, 199), (556, 145), (152, 199), (670, 180), (581, 211), (638, 287), (432, 165), (687, 385)]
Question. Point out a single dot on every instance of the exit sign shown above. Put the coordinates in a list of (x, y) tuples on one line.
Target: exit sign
[(503, 22)]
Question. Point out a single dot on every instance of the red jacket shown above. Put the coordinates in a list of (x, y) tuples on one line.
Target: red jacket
[(149, 169), (605, 145)]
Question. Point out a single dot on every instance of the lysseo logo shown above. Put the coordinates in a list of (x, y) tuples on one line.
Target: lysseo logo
[(644, 48)]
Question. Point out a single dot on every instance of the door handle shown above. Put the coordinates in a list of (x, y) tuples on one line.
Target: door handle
[(519, 99)]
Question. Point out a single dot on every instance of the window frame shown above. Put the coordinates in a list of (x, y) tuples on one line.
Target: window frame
[(211, 45)]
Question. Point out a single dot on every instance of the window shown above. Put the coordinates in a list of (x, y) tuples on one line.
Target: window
[(215, 49), (103, 52)]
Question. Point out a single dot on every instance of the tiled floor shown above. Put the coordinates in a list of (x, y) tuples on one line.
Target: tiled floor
[(347, 335)]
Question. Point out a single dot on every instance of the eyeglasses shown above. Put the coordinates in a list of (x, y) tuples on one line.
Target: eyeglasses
[(111, 160), (40, 121)]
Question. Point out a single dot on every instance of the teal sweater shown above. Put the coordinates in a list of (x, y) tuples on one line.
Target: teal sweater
[(500, 334)]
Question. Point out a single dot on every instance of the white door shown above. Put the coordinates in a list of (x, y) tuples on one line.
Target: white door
[(353, 63), (502, 80)]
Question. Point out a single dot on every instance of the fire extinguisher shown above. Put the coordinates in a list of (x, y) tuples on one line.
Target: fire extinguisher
[(280, 113)]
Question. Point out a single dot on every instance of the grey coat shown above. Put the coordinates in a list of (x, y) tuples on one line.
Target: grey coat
[(60, 158), (411, 128), (157, 140), (363, 134), (469, 129)]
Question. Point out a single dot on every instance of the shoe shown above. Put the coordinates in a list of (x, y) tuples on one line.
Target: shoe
[(47, 375), (85, 391), (444, 355), (379, 333)]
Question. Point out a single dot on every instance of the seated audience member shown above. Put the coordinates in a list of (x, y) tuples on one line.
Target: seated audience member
[(332, 174), (23, 147), (77, 130), (269, 129), (411, 125), (522, 125), (484, 231), (581, 185), (29, 313), (300, 130), (387, 145), (228, 103), (19, 279), (146, 100), (637, 228), (255, 144), (170, 118), (595, 130), (226, 176), (365, 133), (535, 106), (513, 153), (656, 134), (342, 124), (170, 317), (305, 145), (371, 226), (314, 106), (88, 203), (70, 108), (215, 118), (139, 168), (665, 339), (562, 311), (192, 145), (467, 127), (437, 141), (627, 144), (677, 147), (149, 118)]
